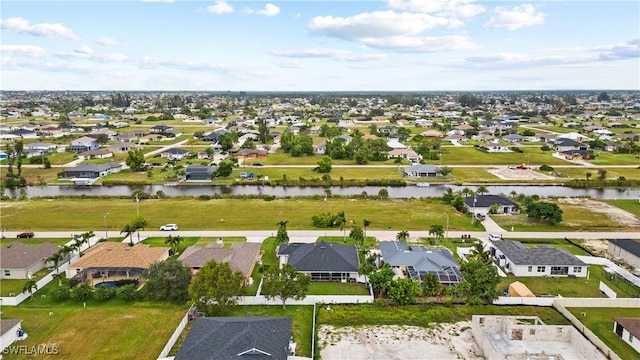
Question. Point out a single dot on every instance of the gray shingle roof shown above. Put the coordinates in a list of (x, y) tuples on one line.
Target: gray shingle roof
[(541, 255), (225, 338), (423, 260), (20, 256), (321, 256), (630, 245), (488, 200)]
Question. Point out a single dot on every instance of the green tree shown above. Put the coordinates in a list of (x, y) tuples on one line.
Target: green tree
[(174, 243), (480, 281), (366, 269), (135, 160), (402, 236), (30, 286), (589, 175), (341, 219), (128, 231), (224, 169), (357, 235), (431, 286), (381, 279), (282, 237), (263, 130), (138, 223), (404, 291), (437, 231), (285, 283), (383, 194), (167, 280), (324, 165), (366, 223), (481, 190), (549, 212), (81, 292), (602, 174), (215, 288)]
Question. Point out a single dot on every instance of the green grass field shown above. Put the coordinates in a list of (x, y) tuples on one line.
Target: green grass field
[(631, 205), (465, 155), (612, 173), (600, 321), (336, 288), (15, 286)]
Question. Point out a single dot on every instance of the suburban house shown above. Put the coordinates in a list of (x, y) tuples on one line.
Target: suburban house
[(90, 171), (10, 331), (406, 154), (432, 134), (629, 330), (496, 147), (214, 135), (320, 149), (174, 154), (537, 261), (160, 129), (199, 172), (576, 154), (422, 171), (95, 154), (84, 143), (251, 154), (232, 338), (114, 261), (323, 261), (417, 261), (481, 204), (514, 138), (42, 148), (20, 261), (565, 144), (241, 256), (627, 250), (121, 147)]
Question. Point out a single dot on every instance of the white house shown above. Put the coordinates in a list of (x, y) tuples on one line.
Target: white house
[(627, 250), (629, 330), (537, 261), (10, 331)]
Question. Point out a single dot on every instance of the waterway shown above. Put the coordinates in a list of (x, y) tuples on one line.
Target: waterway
[(280, 191)]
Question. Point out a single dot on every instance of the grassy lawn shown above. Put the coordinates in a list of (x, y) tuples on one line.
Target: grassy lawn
[(631, 205), (608, 158), (612, 173), (35, 241), (336, 288), (110, 330), (423, 315), (35, 176), (573, 217), (392, 214), (14, 286), (600, 321), (269, 259), (463, 155), (572, 287), (226, 241), (348, 173), (160, 242)]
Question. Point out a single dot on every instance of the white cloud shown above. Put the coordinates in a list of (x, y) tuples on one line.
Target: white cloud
[(457, 8), (520, 16), (21, 25), (32, 51), (290, 65), (377, 24), (336, 54), (220, 7), (422, 44), (110, 58), (106, 41), (269, 10), (84, 50), (158, 1)]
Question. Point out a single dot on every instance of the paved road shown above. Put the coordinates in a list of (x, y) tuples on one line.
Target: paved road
[(307, 235)]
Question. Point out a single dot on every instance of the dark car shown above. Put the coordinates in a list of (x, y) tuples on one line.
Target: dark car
[(258, 164), (28, 234)]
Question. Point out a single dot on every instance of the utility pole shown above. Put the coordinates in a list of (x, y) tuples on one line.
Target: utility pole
[(446, 234), (137, 205), (106, 235), (474, 209)]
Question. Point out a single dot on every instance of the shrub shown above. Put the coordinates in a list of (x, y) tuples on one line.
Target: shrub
[(204, 197), (545, 148), (60, 294), (81, 292), (546, 168), (104, 293), (127, 292), (516, 149), (269, 197)]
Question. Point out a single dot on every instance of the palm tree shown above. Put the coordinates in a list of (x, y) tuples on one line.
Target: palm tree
[(366, 224), (128, 230), (478, 252), (480, 190), (55, 258), (437, 231), (77, 244), (86, 238), (30, 285), (342, 220), (174, 242), (138, 223), (403, 236), (282, 237), (66, 250)]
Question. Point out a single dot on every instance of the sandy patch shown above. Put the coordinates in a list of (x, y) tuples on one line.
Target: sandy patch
[(516, 174), (617, 215), (439, 341)]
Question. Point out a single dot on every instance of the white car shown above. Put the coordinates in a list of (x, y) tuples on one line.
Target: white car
[(169, 227), (495, 237)]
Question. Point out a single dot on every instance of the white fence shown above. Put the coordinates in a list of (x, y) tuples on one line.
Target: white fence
[(607, 290), (535, 301), (309, 300), (176, 334), (16, 300), (610, 264)]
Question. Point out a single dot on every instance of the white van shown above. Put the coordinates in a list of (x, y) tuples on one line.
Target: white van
[(495, 237)]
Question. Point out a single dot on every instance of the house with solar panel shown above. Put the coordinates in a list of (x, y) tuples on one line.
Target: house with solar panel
[(322, 261), (416, 261)]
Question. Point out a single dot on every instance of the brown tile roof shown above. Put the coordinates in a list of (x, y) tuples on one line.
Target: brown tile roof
[(116, 254), (240, 256), (17, 255), (631, 324)]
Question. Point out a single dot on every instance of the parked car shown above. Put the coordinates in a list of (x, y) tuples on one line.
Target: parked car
[(258, 164), (481, 217), (495, 237), (169, 227), (24, 235)]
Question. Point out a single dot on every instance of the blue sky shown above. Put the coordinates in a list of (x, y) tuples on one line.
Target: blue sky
[(394, 45)]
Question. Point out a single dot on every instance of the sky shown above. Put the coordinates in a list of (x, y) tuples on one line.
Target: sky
[(328, 45)]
